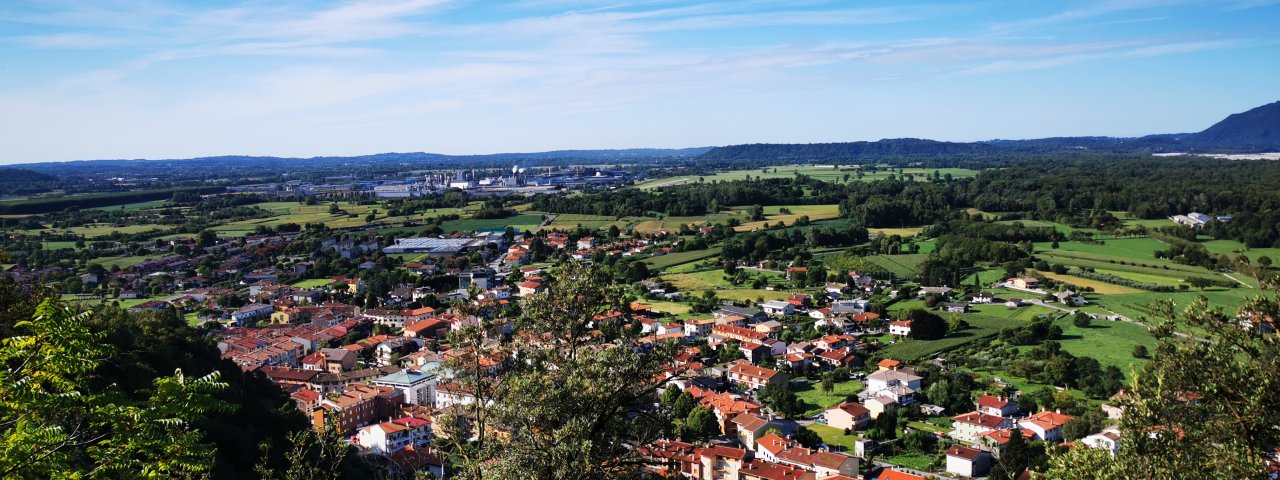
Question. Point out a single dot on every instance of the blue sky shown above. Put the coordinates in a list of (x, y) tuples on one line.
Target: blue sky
[(169, 79)]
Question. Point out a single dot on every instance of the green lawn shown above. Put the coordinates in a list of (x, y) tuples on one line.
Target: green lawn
[(819, 401), (520, 222), (834, 437), (928, 427), (312, 283), (916, 461)]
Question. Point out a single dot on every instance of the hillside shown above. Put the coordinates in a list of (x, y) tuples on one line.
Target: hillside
[(1252, 131), (1258, 128)]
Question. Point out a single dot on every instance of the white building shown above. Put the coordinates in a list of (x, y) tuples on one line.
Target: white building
[(418, 386), (967, 462), (386, 438), (778, 307)]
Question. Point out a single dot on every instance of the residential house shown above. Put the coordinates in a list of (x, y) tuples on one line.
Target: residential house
[(968, 427), (996, 405), (355, 406), (900, 328), (756, 377), (955, 307), (1108, 439), (751, 426), (1023, 283), (392, 436), (982, 297), (968, 462), (777, 307), (848, 416), (1045, 425), (250, 312), (751, 315)]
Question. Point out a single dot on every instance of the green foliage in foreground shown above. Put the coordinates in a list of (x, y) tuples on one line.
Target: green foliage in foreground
[(1203, 407), (55, 426)]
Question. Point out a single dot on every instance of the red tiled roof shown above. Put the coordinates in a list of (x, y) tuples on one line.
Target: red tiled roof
[(963, 452), (980, 419)]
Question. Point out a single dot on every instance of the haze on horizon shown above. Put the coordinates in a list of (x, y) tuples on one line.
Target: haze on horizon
[(169, 79)]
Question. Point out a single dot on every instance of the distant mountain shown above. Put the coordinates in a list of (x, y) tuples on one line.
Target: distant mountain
[(1256, 130), (421, 160)]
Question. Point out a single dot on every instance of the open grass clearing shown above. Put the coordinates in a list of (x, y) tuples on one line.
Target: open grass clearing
[(312, 283), (1111, 343), (834, 437)]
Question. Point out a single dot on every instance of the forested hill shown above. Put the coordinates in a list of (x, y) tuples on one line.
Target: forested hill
[(1256, 128), (414, 159), (1252, 131), (843, 151)]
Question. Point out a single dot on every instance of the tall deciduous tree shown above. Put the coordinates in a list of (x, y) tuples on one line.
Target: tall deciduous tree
[(573, 407), (1204, 404)]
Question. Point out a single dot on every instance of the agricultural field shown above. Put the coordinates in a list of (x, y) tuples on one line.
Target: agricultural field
[(901, 232), (981, 327), (906, 265), (1136, 306), (672, 224), (1232, 246), (134, 206), (122, 262), (663, 262), (1098, 286), (520, 222), (569, 221), (827, 173), (102, 230), (773, 215)]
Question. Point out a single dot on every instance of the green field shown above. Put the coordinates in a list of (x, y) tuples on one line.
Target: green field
[(980, 327), (122, 262), (672, 224), (312, 283), (1136, 306), (134, 206), (662, 262), (102, 230), (904, 266), (834, 437), (773, 215), (520, 222), (916, 461), (57, 245), (828, 173), (1111, 343), (819, 401), (569, 221)]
